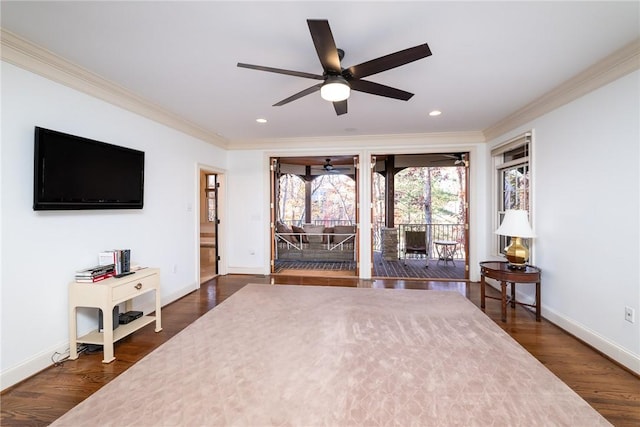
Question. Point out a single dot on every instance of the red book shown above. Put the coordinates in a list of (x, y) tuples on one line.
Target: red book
[(95, 279)]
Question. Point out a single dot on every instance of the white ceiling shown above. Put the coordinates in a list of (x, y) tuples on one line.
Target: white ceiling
[(489, 58)]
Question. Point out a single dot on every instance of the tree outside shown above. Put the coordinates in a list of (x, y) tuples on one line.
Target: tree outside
[(429, 195), (424, 195), (332, 199)]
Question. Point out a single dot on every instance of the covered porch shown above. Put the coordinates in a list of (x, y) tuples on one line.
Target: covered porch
[(439, 221)]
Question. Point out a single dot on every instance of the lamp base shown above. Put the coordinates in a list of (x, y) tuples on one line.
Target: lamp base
[(517, 254), (517, 266)]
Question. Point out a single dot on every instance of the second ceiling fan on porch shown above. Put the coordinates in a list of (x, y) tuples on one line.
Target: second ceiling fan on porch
[(337, 82), (329, 168)]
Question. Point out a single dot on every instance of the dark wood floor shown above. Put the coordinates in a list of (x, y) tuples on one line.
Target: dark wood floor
[(39, 400)]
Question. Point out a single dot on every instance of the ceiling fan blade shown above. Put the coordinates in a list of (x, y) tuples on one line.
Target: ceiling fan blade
[(390, 61), (340, 107), (299, 95), (325, 45), (281, 71), (378, 89)]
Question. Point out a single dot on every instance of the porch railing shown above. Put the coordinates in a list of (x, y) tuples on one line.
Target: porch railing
[(325, 222), (435, 232), (446, 232)]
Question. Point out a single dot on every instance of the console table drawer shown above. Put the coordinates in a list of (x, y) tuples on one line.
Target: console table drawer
[(134, 287)]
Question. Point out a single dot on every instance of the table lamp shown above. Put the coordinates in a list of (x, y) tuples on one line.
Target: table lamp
[(516, 225)]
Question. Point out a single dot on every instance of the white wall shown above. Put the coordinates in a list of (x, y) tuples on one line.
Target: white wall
[(42, 250), (248, 216), (249, 195), (586, 212), (586, 216), (585, 193)]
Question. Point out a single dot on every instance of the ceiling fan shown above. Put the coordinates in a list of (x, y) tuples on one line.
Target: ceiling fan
[(461, 160), (328, 167), (337, 82), (452, 159)]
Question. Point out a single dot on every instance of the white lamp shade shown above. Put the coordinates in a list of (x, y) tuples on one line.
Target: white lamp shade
[(515, 224), (335, 89)]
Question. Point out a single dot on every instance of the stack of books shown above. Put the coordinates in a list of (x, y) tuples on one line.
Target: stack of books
[(95, 274), (120, 259)]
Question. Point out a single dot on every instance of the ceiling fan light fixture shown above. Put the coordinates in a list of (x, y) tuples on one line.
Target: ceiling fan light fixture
[(335, 89)]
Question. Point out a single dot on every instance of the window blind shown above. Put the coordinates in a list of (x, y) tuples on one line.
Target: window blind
[(513, 143)]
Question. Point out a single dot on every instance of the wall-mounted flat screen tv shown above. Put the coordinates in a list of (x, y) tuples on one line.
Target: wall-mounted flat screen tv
[(72, 172)]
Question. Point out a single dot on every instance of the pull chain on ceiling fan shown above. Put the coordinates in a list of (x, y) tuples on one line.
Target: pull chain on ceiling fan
[(337, 82)]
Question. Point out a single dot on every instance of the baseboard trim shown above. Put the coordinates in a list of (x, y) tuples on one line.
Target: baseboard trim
[(168, 299), (599, 343), (31, 366), (593, 339), (247, 270), (42, 360)]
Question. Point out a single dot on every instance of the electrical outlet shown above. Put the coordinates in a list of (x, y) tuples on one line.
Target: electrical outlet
[(629, 314)]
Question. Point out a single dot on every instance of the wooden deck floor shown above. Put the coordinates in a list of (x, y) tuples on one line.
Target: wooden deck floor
[(417, 268), (396, 269)]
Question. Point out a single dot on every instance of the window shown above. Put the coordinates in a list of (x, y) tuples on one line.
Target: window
[(513, 178)]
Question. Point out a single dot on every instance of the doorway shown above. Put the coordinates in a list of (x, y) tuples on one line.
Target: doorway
[(420, 216), (209, 221), (314, 215)]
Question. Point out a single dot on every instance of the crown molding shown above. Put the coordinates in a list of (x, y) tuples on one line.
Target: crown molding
[(24, 54), (611, 68), (31, 57), (361, 141)]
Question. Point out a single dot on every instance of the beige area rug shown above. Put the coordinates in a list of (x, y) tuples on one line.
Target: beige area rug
[(327, 356)]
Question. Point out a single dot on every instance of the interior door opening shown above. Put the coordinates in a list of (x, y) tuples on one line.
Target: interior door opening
[(314, 215), (420, 216), (209, 221)]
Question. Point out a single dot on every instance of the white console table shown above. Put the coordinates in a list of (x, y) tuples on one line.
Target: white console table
[(105, 295)]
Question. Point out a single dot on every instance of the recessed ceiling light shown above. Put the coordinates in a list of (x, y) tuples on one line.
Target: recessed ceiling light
[(435, 113), (261, 120)]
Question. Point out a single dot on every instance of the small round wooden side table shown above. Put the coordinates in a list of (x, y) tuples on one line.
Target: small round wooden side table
[(499, 270)]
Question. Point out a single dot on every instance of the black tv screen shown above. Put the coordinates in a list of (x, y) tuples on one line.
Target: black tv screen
[(72, 172)]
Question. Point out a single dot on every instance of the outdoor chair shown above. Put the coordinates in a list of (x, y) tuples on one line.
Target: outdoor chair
[(415, 243)]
